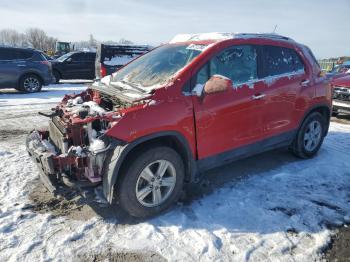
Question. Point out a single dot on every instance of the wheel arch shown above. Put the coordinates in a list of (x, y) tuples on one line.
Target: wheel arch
[(324, 110), (30, 73), (123, 153)]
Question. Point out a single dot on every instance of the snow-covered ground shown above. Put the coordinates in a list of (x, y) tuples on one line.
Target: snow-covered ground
[(281, 213)]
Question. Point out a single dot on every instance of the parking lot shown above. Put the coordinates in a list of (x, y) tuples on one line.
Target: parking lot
[(271, 206)]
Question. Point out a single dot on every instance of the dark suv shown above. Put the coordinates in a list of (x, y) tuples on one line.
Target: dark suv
[(24, 69), (74, 65)]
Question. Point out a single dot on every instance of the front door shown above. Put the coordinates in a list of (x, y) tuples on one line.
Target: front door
[(75, 67), (230, 119)]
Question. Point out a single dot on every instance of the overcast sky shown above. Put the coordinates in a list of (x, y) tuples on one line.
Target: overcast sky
[(324, 25)]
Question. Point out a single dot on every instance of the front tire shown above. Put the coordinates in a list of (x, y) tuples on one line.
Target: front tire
[(310, 136), (151, 182), (335, 113), (30, 83)]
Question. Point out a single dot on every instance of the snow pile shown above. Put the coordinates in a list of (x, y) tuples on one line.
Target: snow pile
[(281, 213), (201, 36), (94, 108), (119, 60), (76, 105), (50, 94), (222, 36)]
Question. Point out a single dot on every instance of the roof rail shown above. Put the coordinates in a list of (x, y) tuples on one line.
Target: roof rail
[(264, 35)]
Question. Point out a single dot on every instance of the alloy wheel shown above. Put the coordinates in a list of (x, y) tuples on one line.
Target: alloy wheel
[(31, 84), (155, 183), (312, 136)]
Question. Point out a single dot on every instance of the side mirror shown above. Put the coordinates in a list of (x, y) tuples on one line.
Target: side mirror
[(216, 84), (69, 60)]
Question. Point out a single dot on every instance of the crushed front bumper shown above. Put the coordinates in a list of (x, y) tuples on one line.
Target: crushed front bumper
[(43, 159), (64, 169)]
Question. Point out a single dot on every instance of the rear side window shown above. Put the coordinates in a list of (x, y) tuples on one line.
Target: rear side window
[(280, 60), (24, 54), (78, 57), (7, 54), (14, 54), (238, 63)]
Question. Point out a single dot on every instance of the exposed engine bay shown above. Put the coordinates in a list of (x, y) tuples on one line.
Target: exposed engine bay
[(75, 146)]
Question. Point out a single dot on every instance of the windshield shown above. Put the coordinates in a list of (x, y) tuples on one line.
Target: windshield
[(64, 57), (157, 66)]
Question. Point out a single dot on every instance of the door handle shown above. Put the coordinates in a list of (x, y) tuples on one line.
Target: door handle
[(21, 65), (305, 82), (258, 96)]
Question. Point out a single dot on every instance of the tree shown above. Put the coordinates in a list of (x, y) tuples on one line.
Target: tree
[(38, 39), (125, 42), (12, 38), (92, 41)]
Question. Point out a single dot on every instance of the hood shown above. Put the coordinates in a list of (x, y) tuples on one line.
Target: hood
[(341, 81)]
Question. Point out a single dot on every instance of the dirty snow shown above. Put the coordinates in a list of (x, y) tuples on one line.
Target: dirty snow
[(282, 213)]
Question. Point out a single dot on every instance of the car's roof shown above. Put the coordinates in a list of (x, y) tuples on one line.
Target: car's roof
[(19, 48), (217, 37), (78, 52)]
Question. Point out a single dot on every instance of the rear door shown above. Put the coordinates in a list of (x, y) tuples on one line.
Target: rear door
[(10, 67), (231, 119), (284, 73)]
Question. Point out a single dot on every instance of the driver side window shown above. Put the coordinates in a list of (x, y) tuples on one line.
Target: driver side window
[(77, 57), (238, 63)]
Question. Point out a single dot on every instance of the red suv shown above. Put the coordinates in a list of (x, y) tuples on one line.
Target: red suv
[(193, 104), (341, 95)]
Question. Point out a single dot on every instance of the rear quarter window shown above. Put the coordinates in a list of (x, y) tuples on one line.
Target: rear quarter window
[(38, 57)]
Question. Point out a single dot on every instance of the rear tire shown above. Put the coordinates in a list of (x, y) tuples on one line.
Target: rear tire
[(310, 136), (151, 182), (30, 83)]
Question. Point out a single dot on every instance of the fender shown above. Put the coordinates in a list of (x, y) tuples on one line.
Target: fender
[(120, 151)]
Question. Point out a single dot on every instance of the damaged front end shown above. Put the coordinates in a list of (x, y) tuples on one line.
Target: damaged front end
[(74, 148)]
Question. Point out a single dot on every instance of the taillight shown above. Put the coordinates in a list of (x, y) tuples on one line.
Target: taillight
[(48, 63), (103, 71)]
